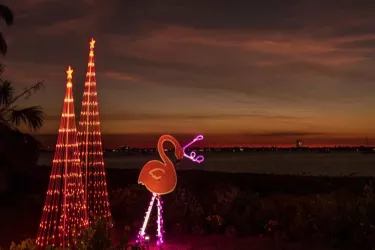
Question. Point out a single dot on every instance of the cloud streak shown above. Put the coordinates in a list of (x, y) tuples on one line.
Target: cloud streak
[(158, 117), (290, 134)]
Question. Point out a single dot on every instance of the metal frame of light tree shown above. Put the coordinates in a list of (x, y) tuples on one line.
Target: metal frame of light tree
[(90, 148), (64, 213)]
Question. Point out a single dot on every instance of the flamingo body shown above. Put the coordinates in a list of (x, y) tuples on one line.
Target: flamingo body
[(157, 178), (160, 177)]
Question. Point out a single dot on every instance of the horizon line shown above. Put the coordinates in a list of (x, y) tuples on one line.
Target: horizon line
[(259, 147), (269, 134)]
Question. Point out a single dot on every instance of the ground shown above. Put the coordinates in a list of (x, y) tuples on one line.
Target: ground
[(215, 242), (21, 208)]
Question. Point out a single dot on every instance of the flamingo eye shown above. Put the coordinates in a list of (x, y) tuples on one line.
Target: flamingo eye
[(157, 173)]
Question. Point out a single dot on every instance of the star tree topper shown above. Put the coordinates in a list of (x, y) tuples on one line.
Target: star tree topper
[(69, 72), (92, 43)]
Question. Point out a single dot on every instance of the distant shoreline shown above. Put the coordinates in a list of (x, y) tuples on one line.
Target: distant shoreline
[(312, 163), (245, 149)]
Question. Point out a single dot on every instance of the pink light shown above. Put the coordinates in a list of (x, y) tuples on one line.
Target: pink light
[(147, 217), (160, 221), (193, 155), (141, 234)]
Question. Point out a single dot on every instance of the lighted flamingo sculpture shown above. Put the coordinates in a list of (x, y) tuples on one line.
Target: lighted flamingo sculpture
[(160, 178)]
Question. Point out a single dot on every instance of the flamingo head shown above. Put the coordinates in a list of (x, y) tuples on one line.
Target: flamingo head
[(179, 153)]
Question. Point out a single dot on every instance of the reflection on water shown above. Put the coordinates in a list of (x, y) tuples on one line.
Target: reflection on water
[(334, 164)]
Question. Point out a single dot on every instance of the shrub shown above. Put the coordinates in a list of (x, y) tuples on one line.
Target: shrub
[(28, 244), (131, 201), (97, 236), (352, 224), (237, 207), (342, 219), (183, 210)]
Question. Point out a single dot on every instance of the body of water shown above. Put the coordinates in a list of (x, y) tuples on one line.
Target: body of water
[(333, 164)]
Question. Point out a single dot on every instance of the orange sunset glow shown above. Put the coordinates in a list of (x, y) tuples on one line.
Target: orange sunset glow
[(238, 77)]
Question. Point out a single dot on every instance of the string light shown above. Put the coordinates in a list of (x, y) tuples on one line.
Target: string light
[(64, 212), (193, 155), (160, 221), (90, 148), (147, 217)]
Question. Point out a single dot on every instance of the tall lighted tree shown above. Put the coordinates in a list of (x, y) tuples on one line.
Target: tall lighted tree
[(90, 148), (64, 212)]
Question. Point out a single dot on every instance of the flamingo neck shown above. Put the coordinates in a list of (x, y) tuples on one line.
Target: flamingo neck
[(162, 154)]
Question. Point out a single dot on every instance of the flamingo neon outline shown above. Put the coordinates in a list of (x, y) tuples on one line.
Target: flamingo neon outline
[(163, 188)]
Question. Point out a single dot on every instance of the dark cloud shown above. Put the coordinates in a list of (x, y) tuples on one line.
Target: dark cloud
[(291, 16), (212, 14), (138, 64), (135, 17), (290, 133), (31, 14), (359, 44)]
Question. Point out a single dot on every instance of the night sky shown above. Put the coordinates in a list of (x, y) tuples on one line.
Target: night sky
[(240, 72)]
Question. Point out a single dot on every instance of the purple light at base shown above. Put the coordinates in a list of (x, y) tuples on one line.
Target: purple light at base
[(141, 234), (193, 155), (160, 221), (143, 229)]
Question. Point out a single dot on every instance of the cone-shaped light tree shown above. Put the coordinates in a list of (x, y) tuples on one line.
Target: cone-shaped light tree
[(64, 212), (90, 148)]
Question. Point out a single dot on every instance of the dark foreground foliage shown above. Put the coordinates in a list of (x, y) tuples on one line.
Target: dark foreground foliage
[(338, 212)]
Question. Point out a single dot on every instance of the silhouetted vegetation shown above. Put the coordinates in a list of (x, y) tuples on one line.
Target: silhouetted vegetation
[(7, 15), (334, 212), (17, 149)]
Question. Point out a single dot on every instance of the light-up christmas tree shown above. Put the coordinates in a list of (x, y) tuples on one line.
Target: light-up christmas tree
[(64, 212), (90, 148)]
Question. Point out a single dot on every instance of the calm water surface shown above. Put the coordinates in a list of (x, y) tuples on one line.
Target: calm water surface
[(334, 163)]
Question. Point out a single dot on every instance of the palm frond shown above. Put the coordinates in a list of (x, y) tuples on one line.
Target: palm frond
[(3, 44), (32, 117), (5, 125), (6, 92), (26, 93), (7, 14), (29, 92)]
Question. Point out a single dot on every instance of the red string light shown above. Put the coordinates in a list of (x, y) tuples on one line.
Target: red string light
[(90, 148), (64, 212)]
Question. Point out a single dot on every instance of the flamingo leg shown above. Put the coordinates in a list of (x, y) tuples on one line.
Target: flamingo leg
[(141, 233), (160, 220)]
